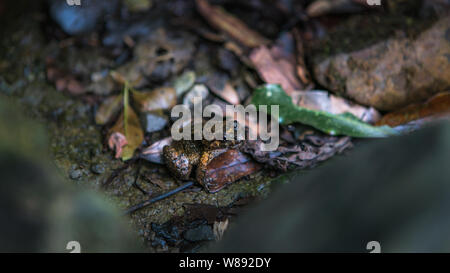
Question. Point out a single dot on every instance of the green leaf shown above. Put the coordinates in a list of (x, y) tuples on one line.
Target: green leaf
[(343, 124)]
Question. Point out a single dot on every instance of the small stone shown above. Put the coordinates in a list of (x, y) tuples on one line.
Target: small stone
[(98, 168), (154, 122), (199, 90), (184, 82), (82, 19), (200, 233), (75, 174)]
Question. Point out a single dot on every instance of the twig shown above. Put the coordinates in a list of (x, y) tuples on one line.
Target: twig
[(117, 171), (158, 198)]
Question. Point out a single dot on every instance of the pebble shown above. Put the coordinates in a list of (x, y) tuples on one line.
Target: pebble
[(154, 122), (75, 174), (83, 19), (200, 233), (98, 168)]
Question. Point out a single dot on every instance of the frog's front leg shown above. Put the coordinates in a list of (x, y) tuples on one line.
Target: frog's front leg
[(181, 157)]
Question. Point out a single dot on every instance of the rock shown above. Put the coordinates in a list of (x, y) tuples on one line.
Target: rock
[(393, 72), (75, 174), (98, 168), (154, 122), (166, 232), (184, 82), (200, 233), (81, 19), (198, 91)]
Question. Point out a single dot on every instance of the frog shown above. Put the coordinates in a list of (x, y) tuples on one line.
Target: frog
[(182, 157)]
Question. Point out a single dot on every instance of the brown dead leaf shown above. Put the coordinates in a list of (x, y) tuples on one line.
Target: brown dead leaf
[(224, 168), (228, 93), (274, 71), (230, 25), (126, 141), (437, 106), (278, 64), (313, 149), (108, 109), (323, 7), (163, 98), (302, 71)]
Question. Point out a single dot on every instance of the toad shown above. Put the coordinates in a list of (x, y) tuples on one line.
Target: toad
[(183, 157)]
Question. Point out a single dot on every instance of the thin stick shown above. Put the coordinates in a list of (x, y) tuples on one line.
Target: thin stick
[(158, 198)]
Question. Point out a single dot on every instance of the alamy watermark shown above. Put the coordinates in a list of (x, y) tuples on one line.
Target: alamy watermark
[(73, 2), (236, 119), (373, 2)]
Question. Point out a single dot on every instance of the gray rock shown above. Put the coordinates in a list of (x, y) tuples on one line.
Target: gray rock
[(75, 20), (98, 168), (200, 233), (154, 122), (75, 174)]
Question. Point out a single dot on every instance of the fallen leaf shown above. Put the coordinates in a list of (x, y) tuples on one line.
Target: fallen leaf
[(228, 93), (343, 124), (218, 171), (437, 105), (302, 71), (154, 152), (306, 154), (323, 101), (230, 25), (108, 109), (163, 98), (219, 229), (129, 126), (323, 7), (273, 68)]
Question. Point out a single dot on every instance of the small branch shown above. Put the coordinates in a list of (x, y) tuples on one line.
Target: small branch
[(158, 198)]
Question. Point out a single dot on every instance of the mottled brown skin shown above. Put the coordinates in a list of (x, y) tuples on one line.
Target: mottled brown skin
[(181, 157)]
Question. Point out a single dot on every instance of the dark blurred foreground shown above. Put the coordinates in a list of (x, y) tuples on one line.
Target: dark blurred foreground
[(40, 211), (394, 191)]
